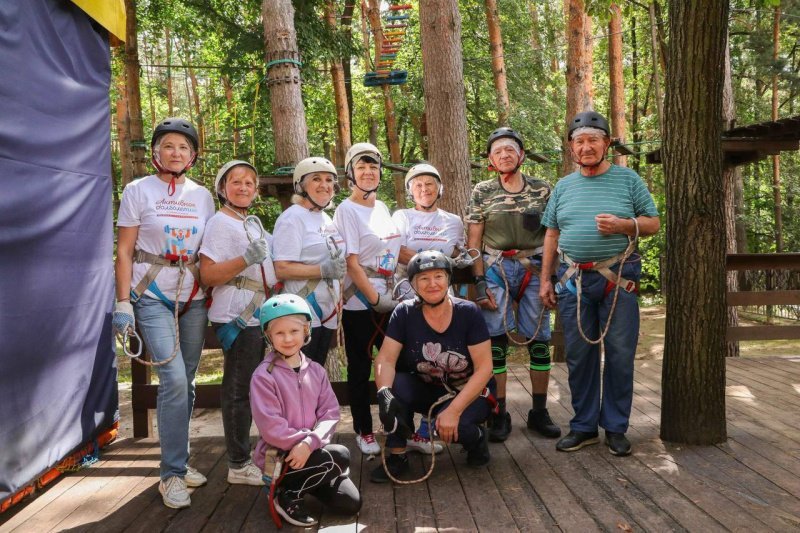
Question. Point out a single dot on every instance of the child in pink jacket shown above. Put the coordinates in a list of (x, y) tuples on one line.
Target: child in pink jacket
[(296, 413)]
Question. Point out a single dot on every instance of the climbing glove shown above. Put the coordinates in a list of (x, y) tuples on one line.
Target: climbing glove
[(393, 414), (481, 289), (256, 252), (123, 319), (333, 267), (385, 303)]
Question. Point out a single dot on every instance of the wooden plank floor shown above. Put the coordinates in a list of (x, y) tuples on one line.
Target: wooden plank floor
[(749, 483)]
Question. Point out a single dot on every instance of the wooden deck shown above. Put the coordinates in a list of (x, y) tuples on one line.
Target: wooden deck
[(750, 483)]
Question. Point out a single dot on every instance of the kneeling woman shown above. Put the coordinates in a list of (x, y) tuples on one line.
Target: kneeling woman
[(434, 344), (296, 413)]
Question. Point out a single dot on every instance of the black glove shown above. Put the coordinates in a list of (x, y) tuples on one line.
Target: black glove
[(481, 288), (393, 414)]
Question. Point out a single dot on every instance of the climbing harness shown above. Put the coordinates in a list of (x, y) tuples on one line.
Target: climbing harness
[(496, 257), (614, 280), (274, 458)]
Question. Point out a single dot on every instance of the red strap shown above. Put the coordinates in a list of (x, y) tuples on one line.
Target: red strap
[(509, 253), (526, 279), (586, 266), (175, 257), (195, 288)]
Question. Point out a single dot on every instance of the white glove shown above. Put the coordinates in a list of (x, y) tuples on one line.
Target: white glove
[(385, 304), (256, 252), (333, 267), (123, 318)]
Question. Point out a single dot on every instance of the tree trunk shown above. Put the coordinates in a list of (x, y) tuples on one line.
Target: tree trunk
[(347, 25), (123, 134), (729, 179), (617, 90), (201, 130), (578, 71), (170, 97), (656, 77), (283, 79), (498, 62), (392, 140), (776, 159), (137, 142), (693, 379), (635, 100), (445, 102), (339, 94)]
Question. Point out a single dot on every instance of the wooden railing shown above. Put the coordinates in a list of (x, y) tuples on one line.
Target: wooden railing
[(738, 262)]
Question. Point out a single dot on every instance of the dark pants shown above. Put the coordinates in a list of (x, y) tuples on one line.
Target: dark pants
[(320, 343), (418, 397), (325, 476), (604, 397), (362, 331), (241, 361)]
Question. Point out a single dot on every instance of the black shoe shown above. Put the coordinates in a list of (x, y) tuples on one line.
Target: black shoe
[(618, 444), (479, 455), (575, 440), (396, 463), (541, 422), (293, 511), (499, 426)]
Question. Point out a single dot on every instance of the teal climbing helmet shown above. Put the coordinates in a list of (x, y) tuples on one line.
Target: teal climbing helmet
[(283, 305)]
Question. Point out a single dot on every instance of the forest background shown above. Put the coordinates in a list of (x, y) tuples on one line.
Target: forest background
[(205, 60)]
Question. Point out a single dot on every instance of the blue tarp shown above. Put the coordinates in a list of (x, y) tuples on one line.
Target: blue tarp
[(58, 385)]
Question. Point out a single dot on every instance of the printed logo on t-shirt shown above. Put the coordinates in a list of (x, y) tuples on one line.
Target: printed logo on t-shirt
[(177, 240), (441, 365), (385, 263), (176, 208), (428, 233)]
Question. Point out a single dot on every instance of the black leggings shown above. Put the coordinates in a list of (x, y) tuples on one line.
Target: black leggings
[(362, 331), (325, 476)]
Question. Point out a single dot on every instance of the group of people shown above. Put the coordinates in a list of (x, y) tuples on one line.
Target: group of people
[(275, 305)]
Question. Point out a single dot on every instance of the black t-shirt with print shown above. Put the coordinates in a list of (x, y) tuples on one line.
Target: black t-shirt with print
[(435, 356)]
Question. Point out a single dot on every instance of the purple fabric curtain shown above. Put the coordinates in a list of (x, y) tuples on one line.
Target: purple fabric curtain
[(58, 385)]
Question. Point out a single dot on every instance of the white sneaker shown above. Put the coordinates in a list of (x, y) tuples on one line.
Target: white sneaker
[(367, 444), (173, 492), (248, 474), (194, 478), (419, 443)]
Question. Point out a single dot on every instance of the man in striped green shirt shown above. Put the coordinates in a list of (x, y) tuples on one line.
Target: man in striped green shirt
[(592, 217)]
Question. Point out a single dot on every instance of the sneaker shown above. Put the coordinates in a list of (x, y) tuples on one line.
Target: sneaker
[(367, 444), (419, 443), (499, 426), (247, 474), (293, 511), (173, 492), (397, 463), (541, 422), (194, 478), (618, 444), (575, 440), (479, 454)]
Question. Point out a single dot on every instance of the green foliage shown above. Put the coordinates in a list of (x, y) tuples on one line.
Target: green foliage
[(223, 41)]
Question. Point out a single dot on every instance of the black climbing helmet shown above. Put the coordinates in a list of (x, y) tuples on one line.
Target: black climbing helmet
[(176, 125), (588, 119), (429, 260), (499, 133)]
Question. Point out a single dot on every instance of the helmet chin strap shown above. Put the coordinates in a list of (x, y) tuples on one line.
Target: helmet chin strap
[(506, 176), (175, 175), (241, 211), (583, 165), (366, 192), (316, 207)]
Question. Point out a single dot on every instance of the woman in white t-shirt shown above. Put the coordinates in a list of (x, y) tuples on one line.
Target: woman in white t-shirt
[(161, 223), (232, 264), (310, 259), (422, 228), (373, 244)]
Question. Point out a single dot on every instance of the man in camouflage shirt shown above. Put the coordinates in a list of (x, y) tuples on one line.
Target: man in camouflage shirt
[(504, 222)]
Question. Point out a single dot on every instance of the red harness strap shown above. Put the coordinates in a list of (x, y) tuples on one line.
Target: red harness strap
[(185, 259)]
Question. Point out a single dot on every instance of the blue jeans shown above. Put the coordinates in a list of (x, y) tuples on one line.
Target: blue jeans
[(241, 361), (611, 408), (530, 312), (176, 378)]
